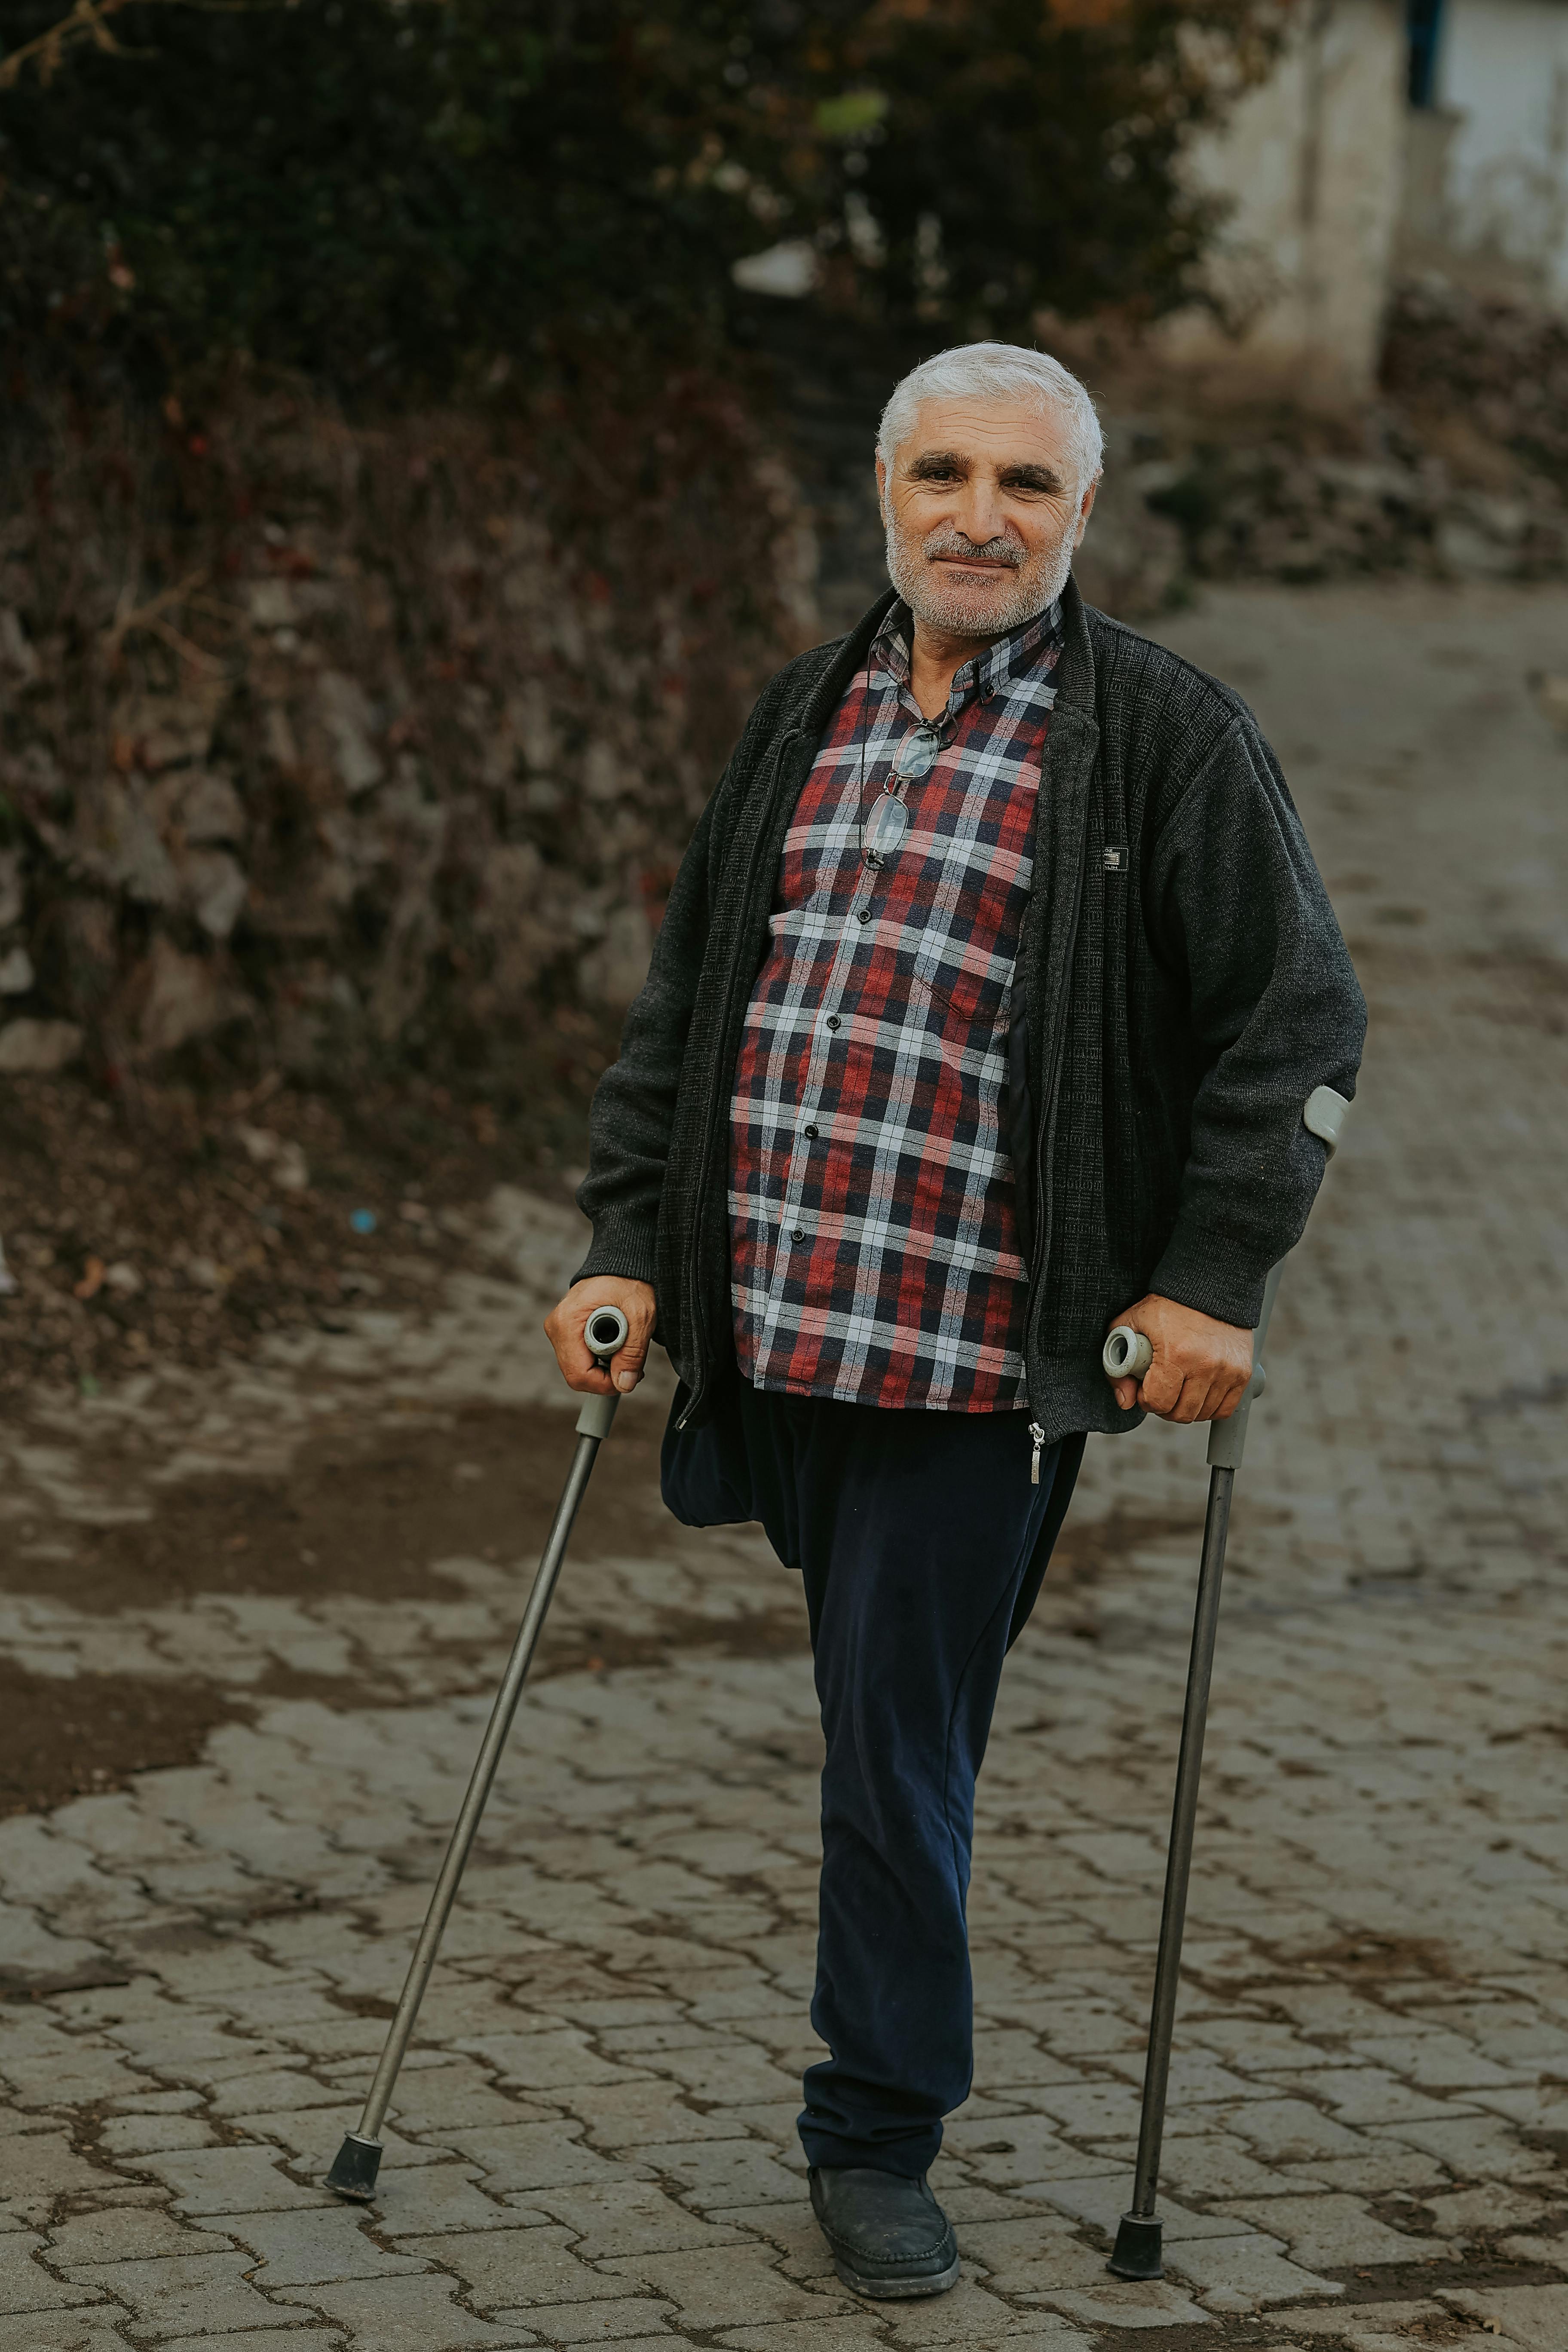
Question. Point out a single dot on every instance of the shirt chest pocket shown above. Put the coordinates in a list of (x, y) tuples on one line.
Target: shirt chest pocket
[(963, 999), (965, 939)]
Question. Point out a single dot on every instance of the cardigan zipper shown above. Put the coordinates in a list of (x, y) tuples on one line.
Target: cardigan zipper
[(1047, 1139)]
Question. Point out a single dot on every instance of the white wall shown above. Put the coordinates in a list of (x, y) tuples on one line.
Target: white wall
[(1314, 163), (1502, 68)]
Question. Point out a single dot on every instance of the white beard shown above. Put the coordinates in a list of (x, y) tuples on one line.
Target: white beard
[(943, 602)]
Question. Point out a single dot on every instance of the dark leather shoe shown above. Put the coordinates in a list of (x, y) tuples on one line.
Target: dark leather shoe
[(887, 2235)]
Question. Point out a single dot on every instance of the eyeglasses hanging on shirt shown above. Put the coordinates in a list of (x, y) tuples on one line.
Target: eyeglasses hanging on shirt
[(889, 819)]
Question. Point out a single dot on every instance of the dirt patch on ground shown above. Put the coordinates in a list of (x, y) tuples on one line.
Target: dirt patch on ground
[(84, 1737), (367, 1511), (89, 1735), (362, 1512), (1368, 1958), (170, 1223), (1088, 1549)]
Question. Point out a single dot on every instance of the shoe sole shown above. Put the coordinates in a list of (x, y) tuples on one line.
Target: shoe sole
[(897, 2290)]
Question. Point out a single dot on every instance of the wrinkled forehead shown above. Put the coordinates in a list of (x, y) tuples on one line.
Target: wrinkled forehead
[(992, 433)]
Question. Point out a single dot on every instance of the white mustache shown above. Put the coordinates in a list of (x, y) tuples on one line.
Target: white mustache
[(954, 543)]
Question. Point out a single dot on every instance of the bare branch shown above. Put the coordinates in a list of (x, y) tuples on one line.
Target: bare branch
[(87, 22), (149, 615)]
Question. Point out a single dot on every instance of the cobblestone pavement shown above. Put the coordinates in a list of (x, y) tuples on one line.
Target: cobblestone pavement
[(594, 2138)]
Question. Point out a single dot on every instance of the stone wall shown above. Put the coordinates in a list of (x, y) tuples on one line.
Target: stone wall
[(322, 744)]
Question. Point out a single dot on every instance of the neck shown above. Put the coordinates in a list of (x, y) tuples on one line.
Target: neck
[(935, 658)]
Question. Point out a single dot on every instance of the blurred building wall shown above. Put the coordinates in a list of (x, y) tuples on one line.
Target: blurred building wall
[(1487, 192), (1394, 137), (1312, 164)]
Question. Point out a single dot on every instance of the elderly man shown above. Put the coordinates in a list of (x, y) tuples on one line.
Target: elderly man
[(989, 994)]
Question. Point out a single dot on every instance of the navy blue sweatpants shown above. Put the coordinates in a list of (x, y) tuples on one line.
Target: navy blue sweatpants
[(923, 1544)]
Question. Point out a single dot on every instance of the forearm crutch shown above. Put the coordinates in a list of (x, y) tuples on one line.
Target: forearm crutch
[(358, 2160), (1128, 1356)]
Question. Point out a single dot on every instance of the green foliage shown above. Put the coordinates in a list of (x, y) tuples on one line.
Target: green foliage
[(392, 194)]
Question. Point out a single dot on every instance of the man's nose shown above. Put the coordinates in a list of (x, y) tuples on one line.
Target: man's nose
[(980, 516)]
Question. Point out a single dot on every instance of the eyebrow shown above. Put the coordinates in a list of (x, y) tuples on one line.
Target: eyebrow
[(1019, 477)]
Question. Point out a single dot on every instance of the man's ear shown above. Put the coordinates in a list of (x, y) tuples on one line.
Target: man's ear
[(1085, 510), (881, 486)]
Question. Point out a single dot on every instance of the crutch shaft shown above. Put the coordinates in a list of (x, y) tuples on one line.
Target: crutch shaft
[(1179, 1859), (484, 1772), (353, 2174)]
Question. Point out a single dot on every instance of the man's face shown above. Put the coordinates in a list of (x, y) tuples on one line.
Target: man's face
[(984, 510)]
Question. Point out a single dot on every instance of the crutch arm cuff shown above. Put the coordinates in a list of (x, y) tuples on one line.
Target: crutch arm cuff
[(1323, 1115)]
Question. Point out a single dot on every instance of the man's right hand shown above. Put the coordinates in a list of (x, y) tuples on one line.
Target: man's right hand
[(565, 1324)]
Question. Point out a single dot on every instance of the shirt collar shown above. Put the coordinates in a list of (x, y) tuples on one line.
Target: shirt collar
[(993, 670)]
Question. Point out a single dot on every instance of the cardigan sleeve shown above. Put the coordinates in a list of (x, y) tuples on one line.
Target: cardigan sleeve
[(1274, 1010)]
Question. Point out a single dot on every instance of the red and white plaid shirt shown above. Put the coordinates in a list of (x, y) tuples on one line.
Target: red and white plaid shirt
[(874, 1246)]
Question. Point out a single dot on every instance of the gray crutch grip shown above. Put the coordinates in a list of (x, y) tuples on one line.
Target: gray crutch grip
[(596, 1415), (606, 1332), (1227, 1439), (1127, 1354)]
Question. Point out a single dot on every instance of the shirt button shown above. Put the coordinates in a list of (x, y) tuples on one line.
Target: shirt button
[(864, 916), (833, 1019), (798, 1234), (812, 1132)]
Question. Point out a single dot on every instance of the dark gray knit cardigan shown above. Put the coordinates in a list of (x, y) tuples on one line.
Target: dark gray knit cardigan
[(1181, 987)]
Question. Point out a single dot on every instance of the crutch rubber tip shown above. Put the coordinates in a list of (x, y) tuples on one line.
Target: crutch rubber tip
[(353, 2172), (1136, 2254)]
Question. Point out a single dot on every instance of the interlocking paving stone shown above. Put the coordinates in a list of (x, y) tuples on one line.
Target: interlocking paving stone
[(77, 2331), (184, 2294), (1333, 2232), (301, 2338), (522, 2265), (37, 2166), (532, 2156), (228, 2180), (117, 2231), (629, 2218), (1383, 2327), (25, 2286), (434, 2197), (724, 2285), (805, 2336), (1028, 2256), (404, 2315), (969, 2316), (303, 2248), (594, 2323), (1122, 2303), (714, 2174), (1243, 2274), (1535, 2317)]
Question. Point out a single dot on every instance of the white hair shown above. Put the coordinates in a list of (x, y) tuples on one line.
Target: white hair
[(997, 372)]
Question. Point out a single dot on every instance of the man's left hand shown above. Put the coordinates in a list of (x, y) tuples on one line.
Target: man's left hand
[(1201, 1368)]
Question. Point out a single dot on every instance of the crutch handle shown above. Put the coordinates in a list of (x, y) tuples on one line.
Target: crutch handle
[(1127, 1354), (606, 1332)]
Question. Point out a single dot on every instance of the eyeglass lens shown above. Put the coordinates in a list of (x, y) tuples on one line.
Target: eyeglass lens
[(888, 824), (917, 755)]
